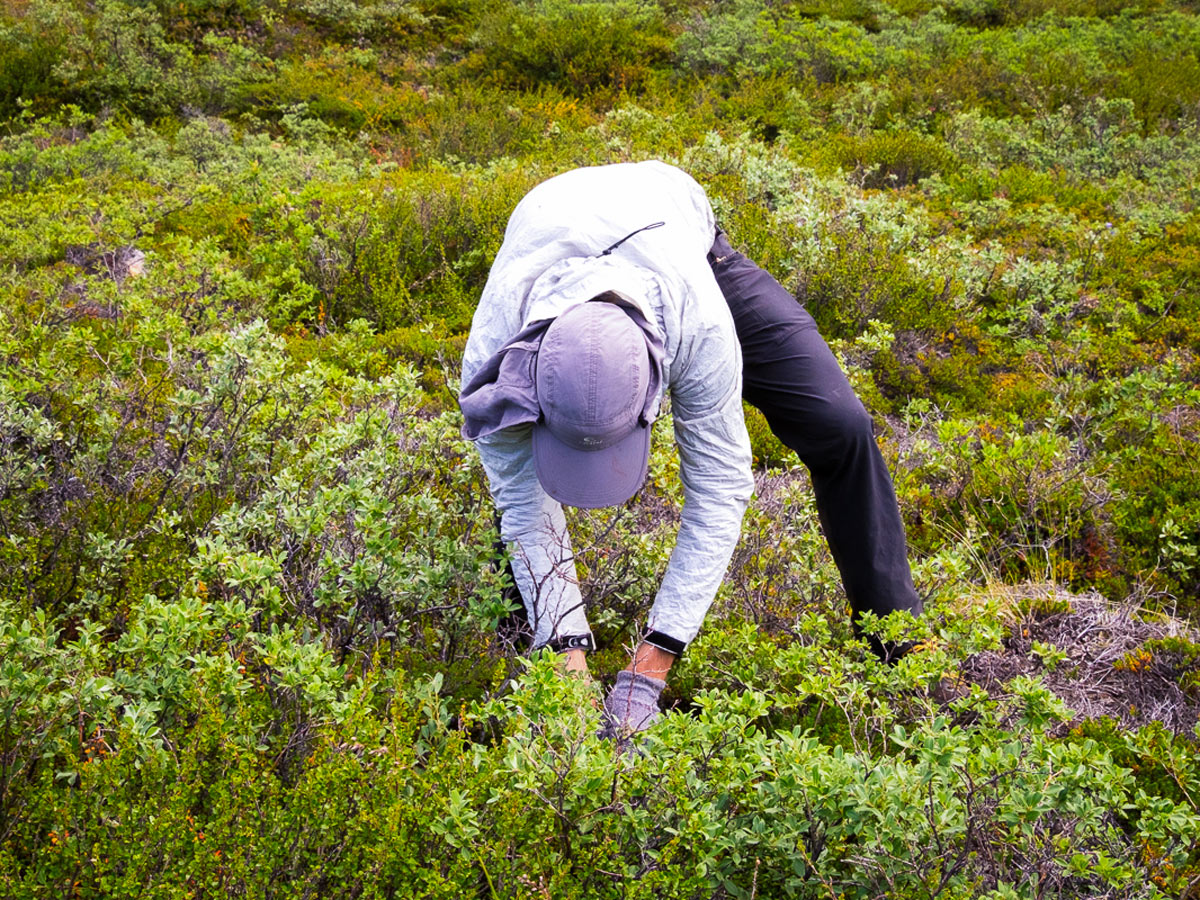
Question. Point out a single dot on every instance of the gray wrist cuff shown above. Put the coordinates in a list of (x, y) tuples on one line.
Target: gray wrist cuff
[(632, 704)]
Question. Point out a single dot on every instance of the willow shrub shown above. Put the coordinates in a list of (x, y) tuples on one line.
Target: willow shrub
[(751, 37), (396, 795), (421, 253), (595, 46), (185, 459)]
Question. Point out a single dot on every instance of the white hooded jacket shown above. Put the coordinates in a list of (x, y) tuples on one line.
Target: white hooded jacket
[(550, 261)]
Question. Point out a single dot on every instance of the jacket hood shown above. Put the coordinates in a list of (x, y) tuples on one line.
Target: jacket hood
[(570, 282)]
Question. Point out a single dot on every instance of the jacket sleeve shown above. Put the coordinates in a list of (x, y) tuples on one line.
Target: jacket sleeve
[(715, 468), (535, 528), (531, 521)]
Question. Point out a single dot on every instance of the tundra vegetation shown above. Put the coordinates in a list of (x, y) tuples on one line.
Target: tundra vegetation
[(253, 640)]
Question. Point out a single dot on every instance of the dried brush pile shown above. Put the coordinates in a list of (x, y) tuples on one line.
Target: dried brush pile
[(1103, 659)]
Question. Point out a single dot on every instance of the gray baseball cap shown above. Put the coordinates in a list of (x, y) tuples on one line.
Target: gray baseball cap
[(597, 381)]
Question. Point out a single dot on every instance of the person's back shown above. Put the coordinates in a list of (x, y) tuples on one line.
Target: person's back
[(552, 258)]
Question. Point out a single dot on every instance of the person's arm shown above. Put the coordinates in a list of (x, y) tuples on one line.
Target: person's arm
[(714, 453), (715, 469)]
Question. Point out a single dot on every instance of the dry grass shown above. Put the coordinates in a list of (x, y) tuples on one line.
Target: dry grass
[(1107, 669)]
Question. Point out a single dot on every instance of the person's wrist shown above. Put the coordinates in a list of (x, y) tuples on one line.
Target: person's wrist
[(576, 661), (651, 661)]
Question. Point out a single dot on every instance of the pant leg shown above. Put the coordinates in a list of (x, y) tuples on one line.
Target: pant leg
[(790, 374)]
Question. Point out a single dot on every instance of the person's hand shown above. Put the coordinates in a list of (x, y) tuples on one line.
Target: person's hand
[(574, 665)]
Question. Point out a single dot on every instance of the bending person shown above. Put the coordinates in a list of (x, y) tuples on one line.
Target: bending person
[(607, 291)]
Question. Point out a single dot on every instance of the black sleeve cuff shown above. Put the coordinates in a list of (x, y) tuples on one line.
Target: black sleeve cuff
[(662, 641), (564, 642)]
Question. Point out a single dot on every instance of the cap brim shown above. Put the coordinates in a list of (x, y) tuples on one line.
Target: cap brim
[(591, 478)]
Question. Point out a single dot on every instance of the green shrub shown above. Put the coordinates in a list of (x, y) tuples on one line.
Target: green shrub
[(361, 19), (716, 803), (859, 277), (344, 88), (30, 51), (754, 37), (1162, 75), (413, 249), (1030, 500), (895, 159), (601, 45), (143, 69), (768, 450)]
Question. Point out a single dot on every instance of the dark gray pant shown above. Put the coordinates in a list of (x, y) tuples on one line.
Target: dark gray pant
[(790, 374)]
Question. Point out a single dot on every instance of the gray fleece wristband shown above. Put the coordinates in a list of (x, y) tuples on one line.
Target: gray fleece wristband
[(632, 704)]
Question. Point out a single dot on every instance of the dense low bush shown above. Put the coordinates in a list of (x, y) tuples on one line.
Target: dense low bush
[(383, 790), (595, 45)]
